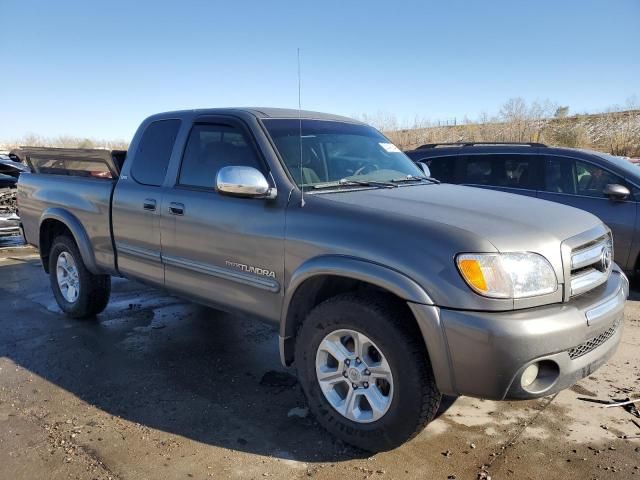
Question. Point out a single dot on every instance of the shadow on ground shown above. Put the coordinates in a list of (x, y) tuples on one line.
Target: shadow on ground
[(166, 364)]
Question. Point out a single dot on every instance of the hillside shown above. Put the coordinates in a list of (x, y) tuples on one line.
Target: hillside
[(616, 132)]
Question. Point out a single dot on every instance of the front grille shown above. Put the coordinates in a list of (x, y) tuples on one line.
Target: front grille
[(591, 264), (593, 343)]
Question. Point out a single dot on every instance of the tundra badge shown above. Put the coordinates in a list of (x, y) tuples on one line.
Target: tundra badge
[(251, 269)]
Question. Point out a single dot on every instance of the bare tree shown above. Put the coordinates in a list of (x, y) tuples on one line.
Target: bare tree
[(616, 131)]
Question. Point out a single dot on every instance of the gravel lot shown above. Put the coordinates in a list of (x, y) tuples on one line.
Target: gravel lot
[(160, 388)]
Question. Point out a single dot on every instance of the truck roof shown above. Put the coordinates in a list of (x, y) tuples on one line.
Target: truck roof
[(260, 112)]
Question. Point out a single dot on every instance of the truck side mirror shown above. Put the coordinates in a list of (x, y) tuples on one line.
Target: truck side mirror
[(241, 181), (425, 169), (616, 192)]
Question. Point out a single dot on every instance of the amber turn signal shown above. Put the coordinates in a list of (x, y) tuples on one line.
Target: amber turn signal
[(472, 273)]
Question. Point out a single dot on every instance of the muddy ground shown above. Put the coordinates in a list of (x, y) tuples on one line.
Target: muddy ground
[(157, 388)]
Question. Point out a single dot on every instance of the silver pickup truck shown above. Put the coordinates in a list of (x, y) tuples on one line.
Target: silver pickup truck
[(389, 288)]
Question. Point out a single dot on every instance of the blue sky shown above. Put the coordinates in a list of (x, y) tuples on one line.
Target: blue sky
[(97, 69)]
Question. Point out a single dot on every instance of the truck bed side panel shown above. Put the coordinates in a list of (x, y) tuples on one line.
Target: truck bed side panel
[(86, 199)]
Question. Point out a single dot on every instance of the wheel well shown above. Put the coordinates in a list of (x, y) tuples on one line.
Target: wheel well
[(316, 290), (49, 230)]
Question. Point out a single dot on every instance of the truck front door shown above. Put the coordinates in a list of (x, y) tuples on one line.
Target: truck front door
[(221, 250)]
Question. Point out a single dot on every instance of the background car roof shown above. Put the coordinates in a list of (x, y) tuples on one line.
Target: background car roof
[(618, 165)]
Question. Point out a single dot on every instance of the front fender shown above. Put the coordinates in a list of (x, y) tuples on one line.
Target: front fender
[(79, 235), (351, 267)]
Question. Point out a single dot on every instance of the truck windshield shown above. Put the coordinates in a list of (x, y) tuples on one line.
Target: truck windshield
[(338, 153)]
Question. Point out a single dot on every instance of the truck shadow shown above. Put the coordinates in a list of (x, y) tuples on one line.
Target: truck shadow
[(173, 366)]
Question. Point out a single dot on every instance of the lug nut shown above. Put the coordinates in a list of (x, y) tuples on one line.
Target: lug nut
[(344, 374), (366, 385), (347, 362), (367, 372), (358, 360), (355, 387)]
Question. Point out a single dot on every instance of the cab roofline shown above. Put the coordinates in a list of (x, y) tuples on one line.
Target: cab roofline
[(260, 113)]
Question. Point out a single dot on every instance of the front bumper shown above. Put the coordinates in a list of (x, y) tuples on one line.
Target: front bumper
[(483, 354)]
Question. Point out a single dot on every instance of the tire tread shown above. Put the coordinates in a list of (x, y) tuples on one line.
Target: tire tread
[(95, 290)]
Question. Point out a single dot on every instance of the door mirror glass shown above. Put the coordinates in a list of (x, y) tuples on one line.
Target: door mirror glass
[(243, 182), (616, 192), (425, 169)]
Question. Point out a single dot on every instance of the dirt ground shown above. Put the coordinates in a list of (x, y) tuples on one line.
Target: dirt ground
[(157, 388)]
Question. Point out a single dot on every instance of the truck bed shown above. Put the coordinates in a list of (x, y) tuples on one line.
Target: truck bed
[(61, 186)]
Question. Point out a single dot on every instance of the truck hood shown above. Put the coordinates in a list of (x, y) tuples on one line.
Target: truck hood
[(510, 222)]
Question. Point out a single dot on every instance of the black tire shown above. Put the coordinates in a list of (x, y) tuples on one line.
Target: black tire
[(94, 290), (389, 325)]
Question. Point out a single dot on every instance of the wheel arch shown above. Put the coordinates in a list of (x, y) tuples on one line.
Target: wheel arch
[(57, 221), (323, 277)]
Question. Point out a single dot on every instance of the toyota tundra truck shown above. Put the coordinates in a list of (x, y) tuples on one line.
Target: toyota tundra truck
[(389, 288)]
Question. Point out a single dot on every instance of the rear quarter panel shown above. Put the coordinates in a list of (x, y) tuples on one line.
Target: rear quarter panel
[(85, 199)]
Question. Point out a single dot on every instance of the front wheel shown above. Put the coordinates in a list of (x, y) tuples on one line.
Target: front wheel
[(365, 371), (78, 292)]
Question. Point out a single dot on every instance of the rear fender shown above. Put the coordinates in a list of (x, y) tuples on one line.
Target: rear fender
[(77, 231)]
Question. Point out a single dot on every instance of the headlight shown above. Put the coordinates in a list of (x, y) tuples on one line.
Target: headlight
[(507, 275)]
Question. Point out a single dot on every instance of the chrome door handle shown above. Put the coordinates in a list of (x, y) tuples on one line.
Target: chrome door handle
[(176, 208), (149, 204)]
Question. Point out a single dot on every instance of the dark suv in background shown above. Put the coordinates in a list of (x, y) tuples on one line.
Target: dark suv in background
[(602, 184)]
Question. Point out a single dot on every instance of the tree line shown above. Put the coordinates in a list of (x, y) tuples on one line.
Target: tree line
[(65, 141), (615, 131)]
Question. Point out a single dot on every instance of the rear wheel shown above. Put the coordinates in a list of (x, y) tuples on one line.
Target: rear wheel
[(365, 371), (78, 292)]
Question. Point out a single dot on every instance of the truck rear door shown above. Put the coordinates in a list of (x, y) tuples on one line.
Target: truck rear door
[(222, 250), (137, 200)]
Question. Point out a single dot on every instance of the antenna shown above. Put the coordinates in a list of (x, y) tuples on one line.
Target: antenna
[(300, 132)]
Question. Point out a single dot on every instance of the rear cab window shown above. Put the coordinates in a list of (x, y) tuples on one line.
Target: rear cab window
[(154, 152)]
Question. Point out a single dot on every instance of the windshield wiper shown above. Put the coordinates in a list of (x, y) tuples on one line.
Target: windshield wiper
[(349, 182), (411, 178), (367, 183)]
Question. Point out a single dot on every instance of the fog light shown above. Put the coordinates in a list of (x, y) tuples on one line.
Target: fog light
[(529, 375)]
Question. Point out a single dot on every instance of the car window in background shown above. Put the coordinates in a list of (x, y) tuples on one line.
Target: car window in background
[(573, 177), (512, 171), (559, 175), (211, 147), (154, 152), (592, 180), (443, 168)]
